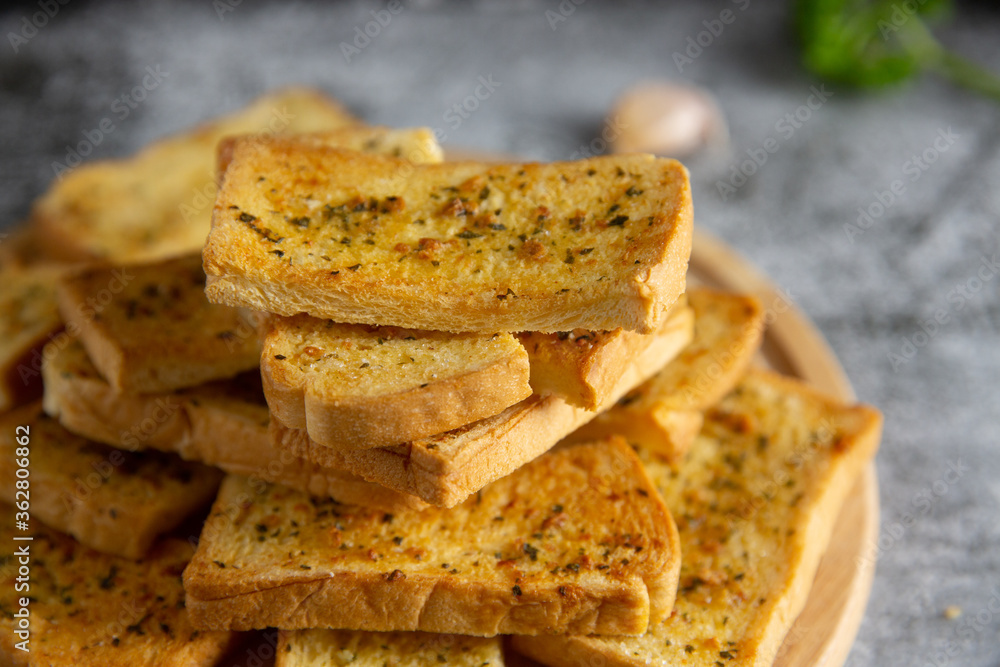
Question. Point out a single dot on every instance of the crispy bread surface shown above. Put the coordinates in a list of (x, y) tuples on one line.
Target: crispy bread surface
[(755, 502), (575, 541), (594, 244)]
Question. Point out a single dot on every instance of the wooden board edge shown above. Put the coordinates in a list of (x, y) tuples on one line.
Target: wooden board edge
[(793, 345)]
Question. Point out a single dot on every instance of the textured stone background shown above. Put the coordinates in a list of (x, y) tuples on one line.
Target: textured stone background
[(867, 296)]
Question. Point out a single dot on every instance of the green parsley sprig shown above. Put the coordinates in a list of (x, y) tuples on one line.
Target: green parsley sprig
[(872, 43)]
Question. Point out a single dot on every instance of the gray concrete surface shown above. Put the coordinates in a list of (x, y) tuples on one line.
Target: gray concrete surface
[(869, 293)]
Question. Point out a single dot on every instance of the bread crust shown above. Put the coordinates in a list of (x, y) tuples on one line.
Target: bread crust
[(664, 413), (417, 145), (597, 487), (671, 432), (157, 203), (579, 366), (320, 648), (22, 248), (112, 501), (462, 270), (830, 442), (29, 316), (224, 424), (148, 328), (340, 407), (445, 469), (95, 610)]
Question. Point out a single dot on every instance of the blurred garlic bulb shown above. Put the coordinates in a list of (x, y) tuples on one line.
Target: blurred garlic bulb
[(667, 119)]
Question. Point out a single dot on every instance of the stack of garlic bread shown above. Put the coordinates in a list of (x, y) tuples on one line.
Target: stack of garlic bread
[(394, 288), (397, 408)]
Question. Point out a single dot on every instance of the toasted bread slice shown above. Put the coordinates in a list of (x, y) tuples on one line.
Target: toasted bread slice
[(417, 145), (665, 412), (594, 244), (14, 242), (339, 648), (149, 328), (575, 541), (29, 316), (21, 247), (756, 500), (89, 609), (158, 203), (445, 469), (222, 423), (354, 386), (114, 501), (578, 366)]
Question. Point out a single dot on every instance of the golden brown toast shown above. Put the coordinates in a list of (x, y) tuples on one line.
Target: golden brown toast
[(158, 203), (575, 541), (415, 145), (21, 248), (445, 469), (354, 386), (29, 316), (755, 502), (339, 648), (665, 412), (594, 244), (578, 366), (88, 609), (149, 328), (222, 423), (114, 501)]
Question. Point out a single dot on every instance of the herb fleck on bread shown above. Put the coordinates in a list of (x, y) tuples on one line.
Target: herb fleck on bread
[(111, 500), (575, 541), (222, 423), (93, 610), (594, 244), (755, 501)]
